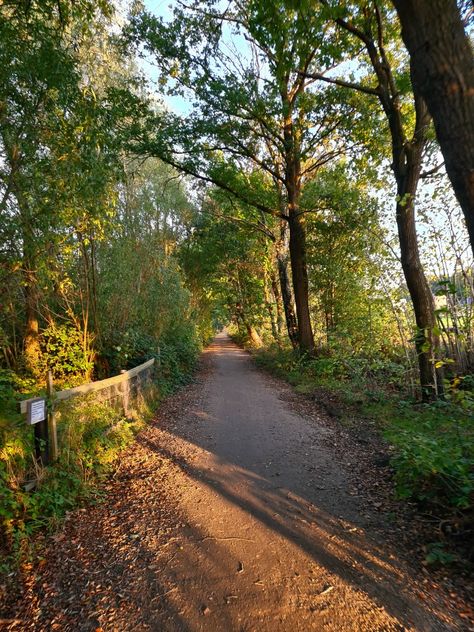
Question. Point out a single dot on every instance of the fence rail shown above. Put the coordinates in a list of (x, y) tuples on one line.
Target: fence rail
[(121, 389), (91, 387)]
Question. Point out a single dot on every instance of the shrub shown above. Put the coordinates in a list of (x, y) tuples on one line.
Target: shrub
[(64, 353), (175, 353), (90, 436), (434, 463)]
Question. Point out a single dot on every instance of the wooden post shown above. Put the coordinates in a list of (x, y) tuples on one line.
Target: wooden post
[(52, 430), (41, 442)]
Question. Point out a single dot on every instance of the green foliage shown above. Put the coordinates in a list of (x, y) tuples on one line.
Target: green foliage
[(60, 164), (90, 437), (436, 554), (225, 261), (65, 353), (12, 383), (126, 349), (359, 374), (343, 245), (435, 455), (177, 360), (459, 390), (175, 354)]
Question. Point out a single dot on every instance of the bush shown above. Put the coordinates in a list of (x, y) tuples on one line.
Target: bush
[(64, 354), (177, 359), (175, 354), (127, 349), (434, 463), (12, 384)]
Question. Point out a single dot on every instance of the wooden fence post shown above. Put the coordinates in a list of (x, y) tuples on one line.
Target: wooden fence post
[(41, 442), (52, 430)]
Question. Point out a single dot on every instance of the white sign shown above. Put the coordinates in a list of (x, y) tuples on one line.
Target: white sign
[(36, 411)]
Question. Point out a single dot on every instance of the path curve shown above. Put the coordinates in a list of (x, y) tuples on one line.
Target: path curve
[(230, 514)]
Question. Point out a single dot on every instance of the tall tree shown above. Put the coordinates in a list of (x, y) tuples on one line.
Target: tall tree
[(57, 165), (275, 231), (31, 92), (442, 65), (369, 24), (253, 108), (229, 259)]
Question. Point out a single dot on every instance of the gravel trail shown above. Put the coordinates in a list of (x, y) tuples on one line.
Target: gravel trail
[(229, 513)]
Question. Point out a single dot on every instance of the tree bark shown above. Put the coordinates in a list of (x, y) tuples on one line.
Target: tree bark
[(285, 286), (442, 66), (278, 302), (31, 346), (253, 336), (406, 165), (407, 162), (426, 342), (296, 224), (18, 184), (300, 280), (270, 308)]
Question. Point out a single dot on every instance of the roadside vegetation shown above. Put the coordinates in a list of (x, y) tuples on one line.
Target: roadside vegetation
[(90, 278)]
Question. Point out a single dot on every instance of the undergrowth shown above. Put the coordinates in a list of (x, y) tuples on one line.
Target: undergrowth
[(90, 437)]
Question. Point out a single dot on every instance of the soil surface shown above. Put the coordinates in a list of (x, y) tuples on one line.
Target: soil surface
[(230, 512)]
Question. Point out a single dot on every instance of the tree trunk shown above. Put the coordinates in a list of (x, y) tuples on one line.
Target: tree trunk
[(278, 302), (285, 286), (407, 162), (296, 225), (300, 280), (31, 346), (253, 336), (442, 65), (290, 316), (420, 293), (270, 309), (406, 165), (426, 342)]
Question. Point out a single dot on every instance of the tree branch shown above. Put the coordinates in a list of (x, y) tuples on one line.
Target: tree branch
[(344, 84)]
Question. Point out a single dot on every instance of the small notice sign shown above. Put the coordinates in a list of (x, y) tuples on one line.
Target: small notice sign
[(36, 411)]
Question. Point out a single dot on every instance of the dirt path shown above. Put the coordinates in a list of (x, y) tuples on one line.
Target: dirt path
[(230, 513)]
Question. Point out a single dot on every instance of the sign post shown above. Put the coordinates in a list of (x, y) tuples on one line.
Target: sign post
[(52, 431), (36, 416)]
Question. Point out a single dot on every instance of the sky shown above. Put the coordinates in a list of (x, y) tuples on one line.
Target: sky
[(164, 9)]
